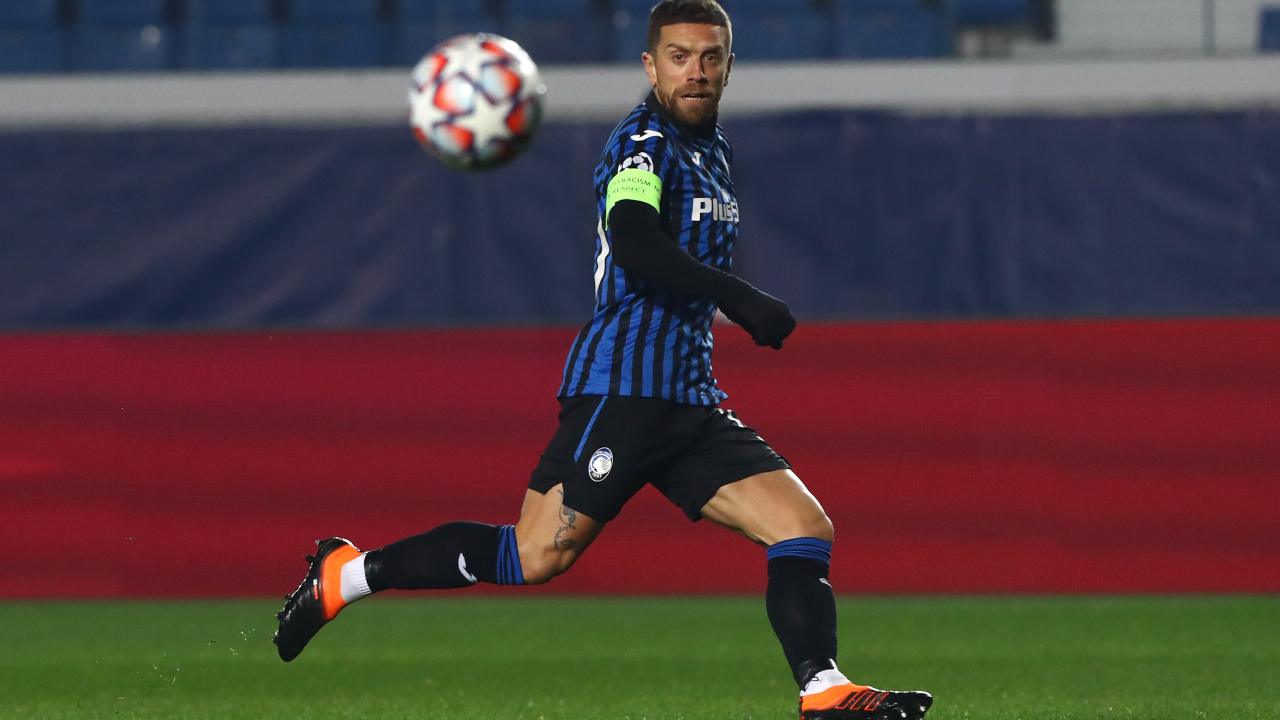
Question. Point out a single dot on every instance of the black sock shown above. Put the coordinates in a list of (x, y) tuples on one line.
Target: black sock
[(453, 555), (801, 605)]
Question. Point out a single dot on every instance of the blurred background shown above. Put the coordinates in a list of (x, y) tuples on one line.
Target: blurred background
[(1034, 247)]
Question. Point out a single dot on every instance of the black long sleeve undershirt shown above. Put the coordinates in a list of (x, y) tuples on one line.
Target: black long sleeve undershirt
[(641, 248)]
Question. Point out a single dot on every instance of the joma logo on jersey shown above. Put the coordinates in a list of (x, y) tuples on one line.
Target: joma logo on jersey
[(727, 211)]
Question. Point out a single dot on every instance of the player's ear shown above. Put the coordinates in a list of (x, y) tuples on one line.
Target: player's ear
[(649, 68), (728, 68)]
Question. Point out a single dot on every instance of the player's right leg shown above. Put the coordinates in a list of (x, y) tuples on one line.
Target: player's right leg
[(544, 543), (775, 510)]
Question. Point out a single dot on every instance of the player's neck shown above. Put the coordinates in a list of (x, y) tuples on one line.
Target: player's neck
[(706, 131)]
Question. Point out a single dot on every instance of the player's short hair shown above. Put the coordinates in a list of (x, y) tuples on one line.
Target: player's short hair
[(674, 12)]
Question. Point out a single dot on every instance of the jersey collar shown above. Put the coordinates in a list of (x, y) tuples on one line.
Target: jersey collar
[(706, 131)]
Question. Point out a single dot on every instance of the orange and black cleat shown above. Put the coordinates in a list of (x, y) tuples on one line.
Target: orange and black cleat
[(859, 702), (317, 600)]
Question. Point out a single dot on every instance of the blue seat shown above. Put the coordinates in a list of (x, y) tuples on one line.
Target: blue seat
[(990, 12), (413, 40), (232, 47), (129, 35), (794, 22), (422, 24), (443, 11), (882, 31), (33, 50), (229, 34), (630, 26), (547, 9), (332, 11), (1269, 30), (777, 36), (560, 31), (28, 14), (230, 13), (637, 9), (742, 8), (552, 42), (147, 48), (335, 34), (335, 45), (123, 13)]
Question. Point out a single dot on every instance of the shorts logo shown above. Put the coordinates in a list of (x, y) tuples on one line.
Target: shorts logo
[(600, 464), (639, 161), (462, 568)]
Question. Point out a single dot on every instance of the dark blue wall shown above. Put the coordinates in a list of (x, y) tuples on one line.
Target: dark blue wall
[(845, 215)]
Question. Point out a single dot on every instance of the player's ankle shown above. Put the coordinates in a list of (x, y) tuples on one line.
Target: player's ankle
[(821, 676), (355, 582)]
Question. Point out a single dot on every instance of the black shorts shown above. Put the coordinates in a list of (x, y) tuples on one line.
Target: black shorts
[(607, 448)]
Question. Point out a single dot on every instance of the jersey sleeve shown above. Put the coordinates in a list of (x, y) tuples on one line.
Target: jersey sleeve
[(642, 167)]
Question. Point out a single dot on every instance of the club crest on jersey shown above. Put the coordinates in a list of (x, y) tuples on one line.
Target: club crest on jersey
[(600, 464), (726, 211), (639, 161)]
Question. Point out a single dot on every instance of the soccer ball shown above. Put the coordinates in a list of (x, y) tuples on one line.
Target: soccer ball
[(476, 101)]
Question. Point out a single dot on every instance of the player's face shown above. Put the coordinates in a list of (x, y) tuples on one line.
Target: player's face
[(689, 70)]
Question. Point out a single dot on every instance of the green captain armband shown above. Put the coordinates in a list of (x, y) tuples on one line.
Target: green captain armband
[(633, 184)]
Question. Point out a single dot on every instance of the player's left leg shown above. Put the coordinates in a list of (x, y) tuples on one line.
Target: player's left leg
[(544, 543), (775, 510)]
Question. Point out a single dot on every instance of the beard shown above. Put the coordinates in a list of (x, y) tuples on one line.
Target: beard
[(693, 106)]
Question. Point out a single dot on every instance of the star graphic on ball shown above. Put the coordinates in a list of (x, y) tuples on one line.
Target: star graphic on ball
[(463, 58), (487, 120)]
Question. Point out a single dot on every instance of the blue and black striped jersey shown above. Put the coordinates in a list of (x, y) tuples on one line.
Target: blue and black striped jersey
[(641, 342)]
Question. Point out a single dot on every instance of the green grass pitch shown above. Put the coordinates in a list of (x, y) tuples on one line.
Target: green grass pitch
[(512, 658)]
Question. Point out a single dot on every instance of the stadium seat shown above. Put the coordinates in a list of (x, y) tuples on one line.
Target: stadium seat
[(1269, 29), (445, 11), (332, 11), (232, 47), (230, 13), (421, 24), (28, 14), (129, 35), (630, 18), (560, 9), (763, 29), (129, 49), (31, 39), (334, 34), (229, 34), (560, 31), (889, 29), (123, 13), (791, 29), (990, 12), (335, 46), (32, 50)]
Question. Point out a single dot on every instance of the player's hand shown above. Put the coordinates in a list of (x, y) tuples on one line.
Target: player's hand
[(766, 318)]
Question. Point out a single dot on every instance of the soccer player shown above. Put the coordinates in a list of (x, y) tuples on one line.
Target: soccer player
[(638, 400)]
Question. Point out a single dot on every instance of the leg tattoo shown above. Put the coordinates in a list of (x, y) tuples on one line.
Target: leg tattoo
[(568, 520)]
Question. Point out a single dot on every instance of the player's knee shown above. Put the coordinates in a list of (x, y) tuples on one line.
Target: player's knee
[(820, 527), (814, 524), (541, 564)]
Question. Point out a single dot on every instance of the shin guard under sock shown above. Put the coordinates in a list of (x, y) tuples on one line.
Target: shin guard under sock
[(453, 555), (801, 605)]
